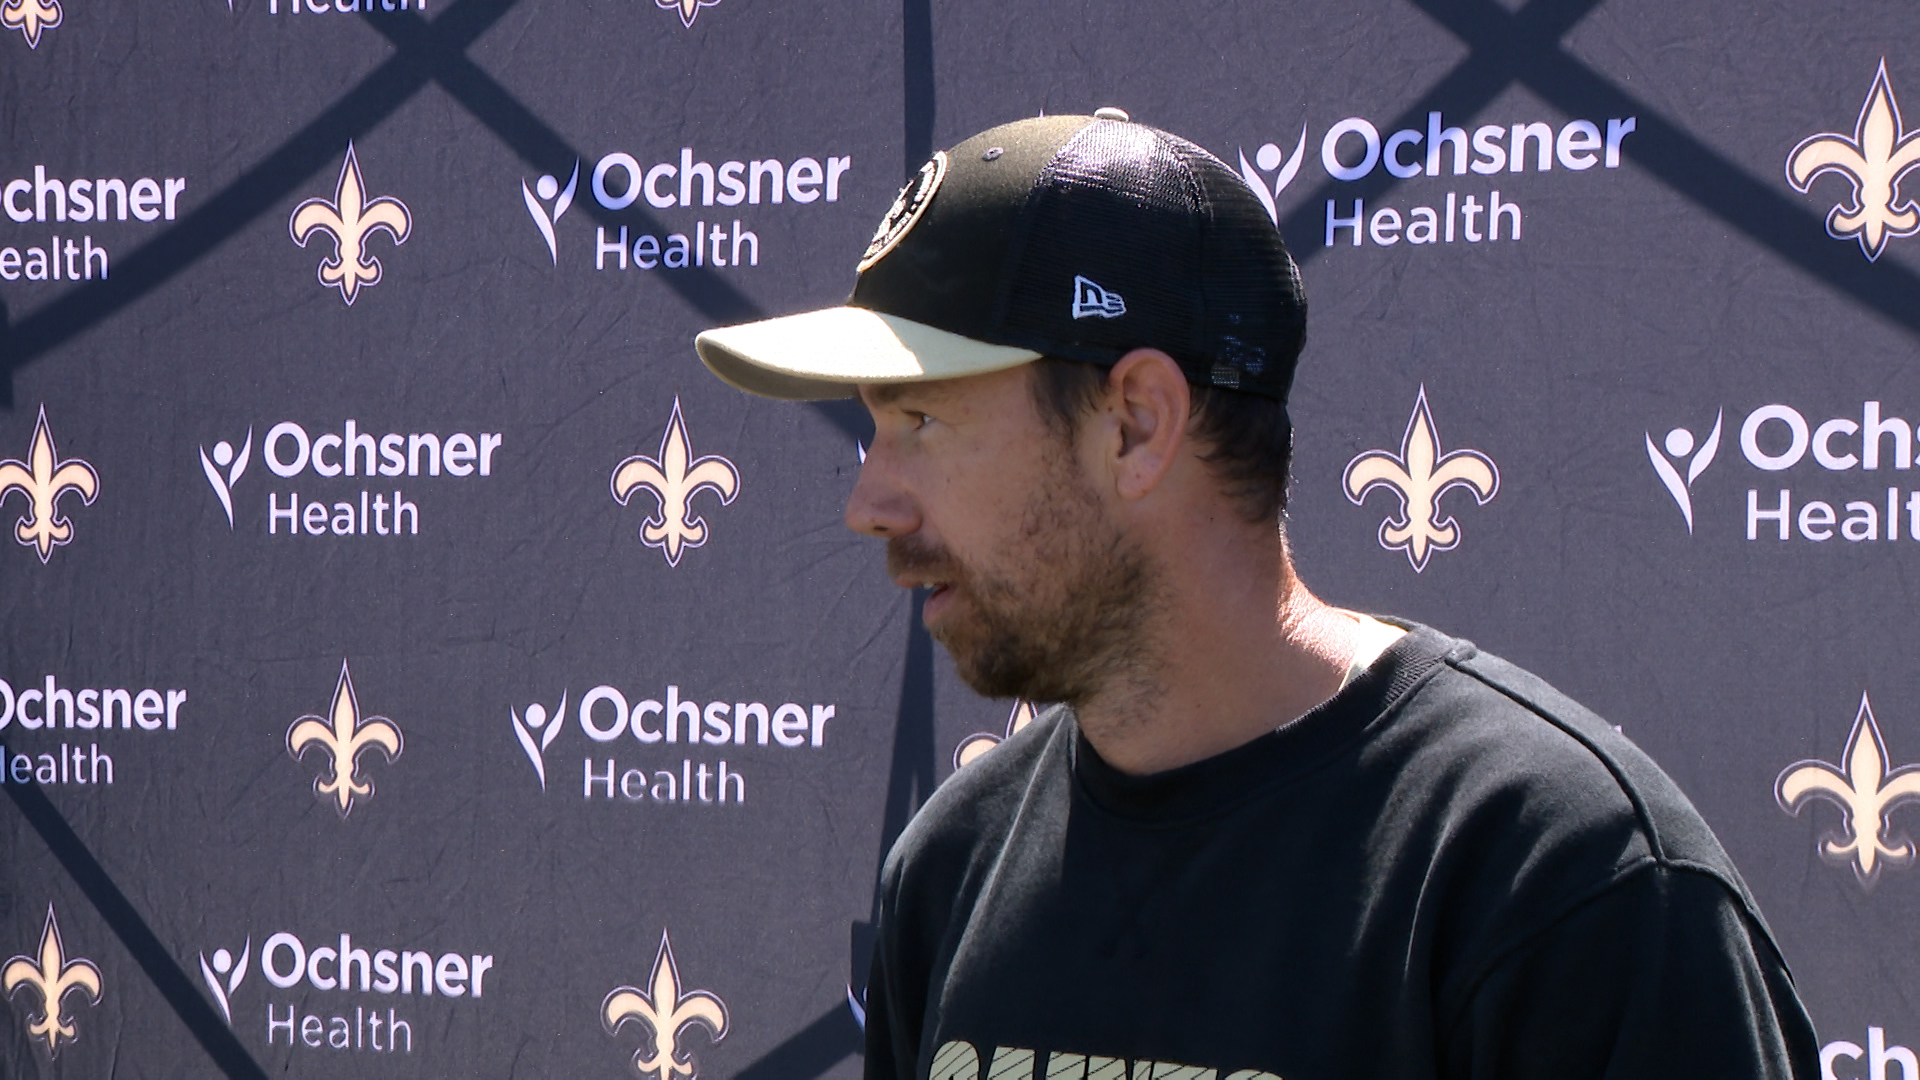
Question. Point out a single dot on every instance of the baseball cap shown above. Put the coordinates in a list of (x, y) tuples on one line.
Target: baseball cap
[(1076, 237)]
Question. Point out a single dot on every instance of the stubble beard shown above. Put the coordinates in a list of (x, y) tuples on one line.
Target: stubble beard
[(1063, 611)]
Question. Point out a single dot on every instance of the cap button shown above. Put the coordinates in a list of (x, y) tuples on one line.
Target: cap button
[(1110, 113)]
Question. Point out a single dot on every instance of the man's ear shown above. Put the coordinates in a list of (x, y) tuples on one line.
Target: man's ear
[(1148, 400)]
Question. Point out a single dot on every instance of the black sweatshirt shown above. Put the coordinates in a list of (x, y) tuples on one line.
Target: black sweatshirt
[(1447, 870)]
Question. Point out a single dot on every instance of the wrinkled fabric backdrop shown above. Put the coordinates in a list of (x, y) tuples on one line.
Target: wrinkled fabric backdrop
[(416, 665)]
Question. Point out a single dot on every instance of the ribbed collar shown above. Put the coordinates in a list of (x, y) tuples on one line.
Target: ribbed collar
[(1226, 780)]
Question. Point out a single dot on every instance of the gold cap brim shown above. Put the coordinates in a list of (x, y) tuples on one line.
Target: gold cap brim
[(826, 354)]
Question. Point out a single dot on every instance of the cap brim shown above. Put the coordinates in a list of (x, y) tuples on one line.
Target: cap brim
[(828, 353)]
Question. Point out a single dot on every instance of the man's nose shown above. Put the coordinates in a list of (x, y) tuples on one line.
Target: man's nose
[(880, 506)]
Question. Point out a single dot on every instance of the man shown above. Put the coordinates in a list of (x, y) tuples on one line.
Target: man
[(1263, 837)]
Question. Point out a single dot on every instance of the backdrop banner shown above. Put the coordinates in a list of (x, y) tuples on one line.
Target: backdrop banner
[(418, 665)]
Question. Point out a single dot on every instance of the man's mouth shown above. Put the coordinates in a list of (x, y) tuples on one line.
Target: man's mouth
[(932, 586)]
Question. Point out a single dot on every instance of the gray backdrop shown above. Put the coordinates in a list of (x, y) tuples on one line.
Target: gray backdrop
[(1700, 297)]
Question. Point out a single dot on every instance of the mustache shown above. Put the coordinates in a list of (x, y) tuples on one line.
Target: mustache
[(914, 555)]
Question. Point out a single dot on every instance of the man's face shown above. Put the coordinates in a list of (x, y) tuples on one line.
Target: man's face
[(1035, 590)]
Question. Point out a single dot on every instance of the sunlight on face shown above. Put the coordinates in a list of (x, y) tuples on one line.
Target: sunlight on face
[(1035, 590)]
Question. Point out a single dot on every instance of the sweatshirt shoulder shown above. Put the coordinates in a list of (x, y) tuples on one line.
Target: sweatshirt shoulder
[(1541, 773), (976, 806), (1573, 743)]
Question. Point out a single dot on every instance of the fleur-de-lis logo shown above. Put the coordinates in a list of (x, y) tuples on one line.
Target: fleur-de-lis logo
[(689, 9), (664, 1012), (344, 738), (974, 745), (43, 478), (1419, 475), (1874, 160), (350, 218), (675, 478), (1866, 794), (30, 17), (54, 977)]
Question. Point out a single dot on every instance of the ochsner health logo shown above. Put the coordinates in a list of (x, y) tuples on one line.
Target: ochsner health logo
[(1472, 211), (224, 976), (363, 994), (372, 478), (547, 190), (1680, 449), (632, 739), (1824, 458)]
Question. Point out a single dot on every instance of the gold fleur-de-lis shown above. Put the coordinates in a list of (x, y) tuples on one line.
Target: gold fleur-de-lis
[(350, 218), (675, 480), (688, 9), (1874, 160), (1866, 794), (974, 745), (30, 17), (43, 478), (1419, 475), (54, 976), (344, 738), (665, 1012)]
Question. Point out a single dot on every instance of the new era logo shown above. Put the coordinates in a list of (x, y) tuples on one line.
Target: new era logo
[(1091, 299)]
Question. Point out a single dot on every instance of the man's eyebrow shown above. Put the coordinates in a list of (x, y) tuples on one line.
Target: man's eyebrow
[(884, 394)]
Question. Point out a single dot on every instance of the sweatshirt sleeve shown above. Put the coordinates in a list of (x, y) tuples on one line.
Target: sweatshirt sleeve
[(892, 1025), (1663, 974)]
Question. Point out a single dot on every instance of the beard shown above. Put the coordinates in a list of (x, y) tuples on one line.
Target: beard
[(1059, 612)]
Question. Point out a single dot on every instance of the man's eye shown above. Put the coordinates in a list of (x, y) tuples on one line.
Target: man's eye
[(919, 419)]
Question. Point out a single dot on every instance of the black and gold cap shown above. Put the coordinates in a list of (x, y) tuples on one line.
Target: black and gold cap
[(1078, 237)]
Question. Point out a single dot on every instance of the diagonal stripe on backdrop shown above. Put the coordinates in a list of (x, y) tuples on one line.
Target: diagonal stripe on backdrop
[(1506, 48), (255, 192), (174, 985), (425, 52), (1524, 48)]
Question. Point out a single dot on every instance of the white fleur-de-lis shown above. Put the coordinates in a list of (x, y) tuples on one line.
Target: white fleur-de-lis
[(674, 478), (1866, 793), (31, 17), (688, 9), (52, 976), (1874, 160), (980, 742), (1419, 475), (350, 218), (43, 478), (664, 1012), (344, 736)]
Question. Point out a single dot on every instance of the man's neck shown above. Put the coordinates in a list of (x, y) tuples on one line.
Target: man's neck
[(1233, 660)]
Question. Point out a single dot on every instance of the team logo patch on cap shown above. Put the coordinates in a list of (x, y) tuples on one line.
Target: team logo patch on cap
[(1090, 299), (905, 210)]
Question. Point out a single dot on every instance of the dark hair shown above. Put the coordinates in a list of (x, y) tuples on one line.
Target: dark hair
[(1249, 438)]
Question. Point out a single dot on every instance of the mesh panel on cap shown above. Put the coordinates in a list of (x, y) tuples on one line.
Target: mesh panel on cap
[(1252, 304), (1176, 234), (1116, 207)]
